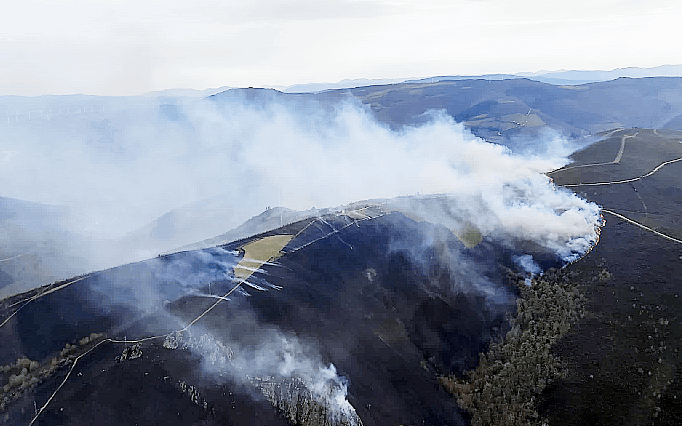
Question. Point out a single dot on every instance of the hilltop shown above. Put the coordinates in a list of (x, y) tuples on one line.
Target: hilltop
[(362, 300)]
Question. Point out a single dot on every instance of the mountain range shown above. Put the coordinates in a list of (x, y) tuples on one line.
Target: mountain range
[(525, 298)]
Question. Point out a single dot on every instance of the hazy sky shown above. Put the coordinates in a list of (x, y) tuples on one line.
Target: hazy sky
[(118, 47)]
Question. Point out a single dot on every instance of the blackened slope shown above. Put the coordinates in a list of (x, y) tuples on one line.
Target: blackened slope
[(348, 289), (101, 391), (388, 325), (152, 390), (625, 355)]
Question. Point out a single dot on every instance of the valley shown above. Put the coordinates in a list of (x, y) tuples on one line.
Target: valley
[(373, 312)]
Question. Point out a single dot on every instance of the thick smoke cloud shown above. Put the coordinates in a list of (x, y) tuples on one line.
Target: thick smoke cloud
[(219, 162), (130, 166), (120, 163)]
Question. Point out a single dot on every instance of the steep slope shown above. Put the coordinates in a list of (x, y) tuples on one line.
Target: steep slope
[(343, 307), (624, 359)]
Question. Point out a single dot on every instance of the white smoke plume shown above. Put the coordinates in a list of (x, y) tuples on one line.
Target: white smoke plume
[(129, 161), (121, 168), (272, 359), (527, 263), (241, 348)]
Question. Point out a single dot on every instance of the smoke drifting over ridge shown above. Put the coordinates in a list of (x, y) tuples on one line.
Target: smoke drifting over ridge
[(128, 166), (239, 347), (119, 168)]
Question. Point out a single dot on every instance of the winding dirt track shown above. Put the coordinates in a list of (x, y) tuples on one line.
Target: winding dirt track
[(660, 234), (615, 182), (616, 160)]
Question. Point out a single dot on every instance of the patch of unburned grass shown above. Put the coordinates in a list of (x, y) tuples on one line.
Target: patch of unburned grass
[(258, 252), (469, 236)]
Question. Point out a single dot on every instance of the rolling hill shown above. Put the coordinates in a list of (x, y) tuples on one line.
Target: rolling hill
[(370, 313)]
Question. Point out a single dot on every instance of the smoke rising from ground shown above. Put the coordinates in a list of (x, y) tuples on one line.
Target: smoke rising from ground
[(119, 164), (240, 348), (527, 263), (219, 162), (132, 165)]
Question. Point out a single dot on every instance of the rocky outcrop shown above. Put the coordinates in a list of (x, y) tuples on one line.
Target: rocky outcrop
[(193, 393), (302, 402), (293, 397), (214, 351), (130, 352)]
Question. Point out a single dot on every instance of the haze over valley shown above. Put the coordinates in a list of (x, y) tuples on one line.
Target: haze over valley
[(341, 213), (129, 178)]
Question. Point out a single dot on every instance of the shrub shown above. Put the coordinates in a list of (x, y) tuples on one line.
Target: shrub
[(503, 389)]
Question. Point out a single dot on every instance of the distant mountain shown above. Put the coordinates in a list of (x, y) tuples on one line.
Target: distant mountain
[(343, 84), (581, 77), (295, 88), (186, 93), (507, 111), (566, 77), (270, 219), (191, 223), (503, 110), (562, 77), (438, 79)]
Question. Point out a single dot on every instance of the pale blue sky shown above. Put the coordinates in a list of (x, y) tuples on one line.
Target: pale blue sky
[(120, 47)]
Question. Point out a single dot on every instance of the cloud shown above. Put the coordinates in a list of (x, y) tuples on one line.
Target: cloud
[(310, 10)]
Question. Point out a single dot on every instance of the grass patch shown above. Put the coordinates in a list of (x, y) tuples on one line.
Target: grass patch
[(470, 236), (258, 252)]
